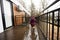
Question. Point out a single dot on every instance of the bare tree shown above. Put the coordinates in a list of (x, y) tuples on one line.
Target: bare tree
[(32, 9), (22, 2), (44, 4)]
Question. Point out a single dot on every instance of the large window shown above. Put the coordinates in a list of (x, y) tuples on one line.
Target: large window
[(7, 13), (1, 24)]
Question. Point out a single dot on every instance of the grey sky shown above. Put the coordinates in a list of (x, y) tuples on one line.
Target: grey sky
[(38, 4)]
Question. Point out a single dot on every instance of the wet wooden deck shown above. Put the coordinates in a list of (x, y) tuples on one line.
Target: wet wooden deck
[(19, 33), (16, 33)]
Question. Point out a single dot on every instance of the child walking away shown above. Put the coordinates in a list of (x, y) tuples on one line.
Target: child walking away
[(33, 21), (33, 25)]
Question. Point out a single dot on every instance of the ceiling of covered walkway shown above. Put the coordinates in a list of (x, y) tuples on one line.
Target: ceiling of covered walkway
[(38, 5)]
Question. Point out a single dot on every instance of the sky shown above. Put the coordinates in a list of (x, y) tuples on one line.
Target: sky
[(28, 4), (38, 4)]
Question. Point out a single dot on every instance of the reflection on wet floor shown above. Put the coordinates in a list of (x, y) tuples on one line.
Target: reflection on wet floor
[(28, 34), (19, 33), (14, 33)]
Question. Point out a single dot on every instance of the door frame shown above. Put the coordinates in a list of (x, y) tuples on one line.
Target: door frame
[(3, 16)]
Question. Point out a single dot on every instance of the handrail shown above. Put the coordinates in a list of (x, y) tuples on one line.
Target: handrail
[(51, 5), (51, 11), (51, 21), (47, 20)]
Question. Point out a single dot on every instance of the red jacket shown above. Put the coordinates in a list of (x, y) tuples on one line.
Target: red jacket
[(33, 22)]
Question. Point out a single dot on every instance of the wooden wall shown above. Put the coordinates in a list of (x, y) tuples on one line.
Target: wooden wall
[(18, 16)]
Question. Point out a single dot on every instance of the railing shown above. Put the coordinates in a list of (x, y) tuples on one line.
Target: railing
[(50, 24)]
